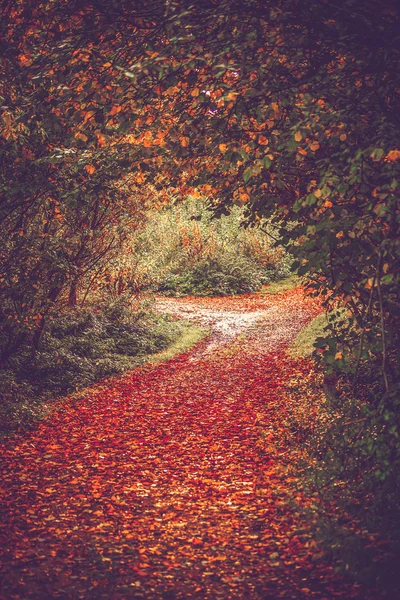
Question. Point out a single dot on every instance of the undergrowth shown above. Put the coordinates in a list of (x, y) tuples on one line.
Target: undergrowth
[(349, 429), (77, 349), (357, 476), (184, 250)]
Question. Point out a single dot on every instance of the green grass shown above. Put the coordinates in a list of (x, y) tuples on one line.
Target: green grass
[(284, 285), (190, 336), (303, 345)]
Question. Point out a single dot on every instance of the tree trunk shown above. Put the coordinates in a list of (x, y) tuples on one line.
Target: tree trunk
[(37, 334), (72, 296)]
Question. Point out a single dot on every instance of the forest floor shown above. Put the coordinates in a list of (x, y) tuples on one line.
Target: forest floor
[(176, 480)]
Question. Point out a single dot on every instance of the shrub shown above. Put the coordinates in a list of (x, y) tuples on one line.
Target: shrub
[(185, 250), (220, 276)]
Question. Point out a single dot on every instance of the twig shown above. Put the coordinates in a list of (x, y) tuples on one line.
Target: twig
[(384, 351), (353, 422), (363, 334)]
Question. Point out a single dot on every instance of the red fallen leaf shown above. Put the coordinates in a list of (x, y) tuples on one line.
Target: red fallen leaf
[(176, 483)]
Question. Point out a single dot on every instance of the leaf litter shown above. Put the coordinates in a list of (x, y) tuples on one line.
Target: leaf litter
[(174, 481)]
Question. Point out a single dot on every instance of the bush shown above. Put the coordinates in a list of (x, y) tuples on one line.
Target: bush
[(184, 250), (220, 276), (356, 457)]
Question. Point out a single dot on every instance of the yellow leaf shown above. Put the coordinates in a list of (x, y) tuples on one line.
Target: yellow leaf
[(298, 136), (231, 95), (369, 283), (90, 169), (223, 147), (385, 267), (195, 92), (343, 137), (314, 146), (328, 204), (184, 141), (338, 355), (139, 177)]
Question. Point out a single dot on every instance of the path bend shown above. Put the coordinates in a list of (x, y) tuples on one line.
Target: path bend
[(155, 485)]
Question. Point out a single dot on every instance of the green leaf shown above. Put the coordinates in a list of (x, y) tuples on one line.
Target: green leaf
[(247, 174)]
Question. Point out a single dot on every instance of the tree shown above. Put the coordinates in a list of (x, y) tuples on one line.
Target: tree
[(65, 205), (288, 106)]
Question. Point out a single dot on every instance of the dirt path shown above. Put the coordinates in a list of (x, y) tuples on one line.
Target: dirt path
[(156, 486)]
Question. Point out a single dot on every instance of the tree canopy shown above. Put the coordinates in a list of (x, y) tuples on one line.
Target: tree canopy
[(289, 107)]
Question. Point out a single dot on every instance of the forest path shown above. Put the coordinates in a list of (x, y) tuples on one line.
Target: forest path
[(155, 485)]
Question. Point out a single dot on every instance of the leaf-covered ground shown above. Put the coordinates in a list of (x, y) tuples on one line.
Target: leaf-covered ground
[(172, 482)]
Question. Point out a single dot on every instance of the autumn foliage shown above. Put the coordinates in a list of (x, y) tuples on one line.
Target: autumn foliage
[(287, 108), (175, 481)]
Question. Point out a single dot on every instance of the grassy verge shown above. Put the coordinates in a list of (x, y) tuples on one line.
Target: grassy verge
[(303, 345), (350, 465), (283, 285), (190, 336), (84, 347)]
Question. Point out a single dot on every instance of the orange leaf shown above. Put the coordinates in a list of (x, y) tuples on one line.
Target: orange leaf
[(298, 136), (101, 140), (25, 60), (393, 155)]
